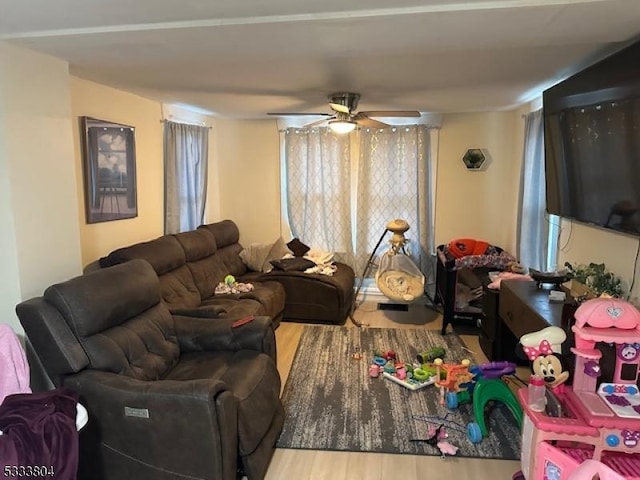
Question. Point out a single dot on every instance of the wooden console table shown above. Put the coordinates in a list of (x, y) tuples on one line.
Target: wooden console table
[(525, 308)]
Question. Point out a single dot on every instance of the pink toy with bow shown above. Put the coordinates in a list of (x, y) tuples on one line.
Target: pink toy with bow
[(543, 342), (544, 348)]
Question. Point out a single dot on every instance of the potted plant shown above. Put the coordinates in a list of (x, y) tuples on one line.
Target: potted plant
[(596, 278)]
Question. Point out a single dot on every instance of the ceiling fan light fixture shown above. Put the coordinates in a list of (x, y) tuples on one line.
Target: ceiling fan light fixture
[(342, 126)]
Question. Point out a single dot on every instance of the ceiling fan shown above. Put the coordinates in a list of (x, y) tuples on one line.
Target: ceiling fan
[(344, 117)]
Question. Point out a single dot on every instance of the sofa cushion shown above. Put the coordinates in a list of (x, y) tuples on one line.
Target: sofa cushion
[(168, 258), (251, 376), (227, 236), (225, 232), (164, 254), (233, 307), (179, 290), (271, 296), (125, 329), (197, 244), (230, 256), (206, 265)]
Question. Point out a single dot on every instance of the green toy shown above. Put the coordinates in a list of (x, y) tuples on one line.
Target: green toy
[(431, 354)]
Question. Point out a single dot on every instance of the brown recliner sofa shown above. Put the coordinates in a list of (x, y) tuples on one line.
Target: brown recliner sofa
[(191, 264), (309, 297), (168, 396)]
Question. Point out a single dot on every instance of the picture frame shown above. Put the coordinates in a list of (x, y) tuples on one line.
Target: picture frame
[(109, 166)]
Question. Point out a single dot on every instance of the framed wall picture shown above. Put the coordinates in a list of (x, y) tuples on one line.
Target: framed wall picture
[(109, 163)]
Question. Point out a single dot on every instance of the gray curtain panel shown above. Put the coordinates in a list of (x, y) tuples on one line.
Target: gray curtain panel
[(186, 149), (533, 226)]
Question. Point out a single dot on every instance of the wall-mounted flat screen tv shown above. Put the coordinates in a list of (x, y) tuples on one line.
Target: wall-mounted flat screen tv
[(592, 143)]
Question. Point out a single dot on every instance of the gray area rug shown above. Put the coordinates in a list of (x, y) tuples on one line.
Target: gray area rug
[(331, 403)]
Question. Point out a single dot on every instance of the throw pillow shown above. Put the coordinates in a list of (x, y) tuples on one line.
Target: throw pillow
[(298, 248), (255, 255), (296, 264), (277, 252)]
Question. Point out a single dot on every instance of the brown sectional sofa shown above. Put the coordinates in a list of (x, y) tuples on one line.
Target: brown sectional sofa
[(168, 396), (191, 264)]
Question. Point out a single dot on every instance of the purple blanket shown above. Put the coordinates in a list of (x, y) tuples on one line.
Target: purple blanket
[(39, 439)]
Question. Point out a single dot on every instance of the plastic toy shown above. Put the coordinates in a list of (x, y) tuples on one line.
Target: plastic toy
[(431, 354), (454, 376), (486, 391), (437, 433), (589, 468), (402, 373), (487, 371), (436, 438), (543, 348), (600, 423), (473, 387), (495, 369)]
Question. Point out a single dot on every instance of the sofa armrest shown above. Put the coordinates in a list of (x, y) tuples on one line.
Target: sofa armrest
[(208, 311), (199, 334), (128, 416)]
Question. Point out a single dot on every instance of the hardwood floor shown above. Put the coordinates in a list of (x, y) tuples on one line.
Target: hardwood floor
[(321, 465)]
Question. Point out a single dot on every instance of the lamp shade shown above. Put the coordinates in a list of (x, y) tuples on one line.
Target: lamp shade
[(342, 126)]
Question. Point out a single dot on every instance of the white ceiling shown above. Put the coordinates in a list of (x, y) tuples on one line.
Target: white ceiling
[(244, 58)]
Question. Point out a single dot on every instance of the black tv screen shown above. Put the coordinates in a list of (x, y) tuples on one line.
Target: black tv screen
[(592, 143)]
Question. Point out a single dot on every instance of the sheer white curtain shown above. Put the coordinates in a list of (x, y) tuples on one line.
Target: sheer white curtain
[(318, 179), (342, 190), (537, 231), (185, 175), (393, 182)]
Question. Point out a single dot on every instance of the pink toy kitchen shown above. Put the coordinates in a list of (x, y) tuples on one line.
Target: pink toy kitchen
[(593, 419)]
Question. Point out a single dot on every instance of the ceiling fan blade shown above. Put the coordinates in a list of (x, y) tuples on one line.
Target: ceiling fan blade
[(318, 122), (299, 114), (339, 108), (369, 122), (392, 113)]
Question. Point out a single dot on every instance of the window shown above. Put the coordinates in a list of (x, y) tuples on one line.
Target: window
[(185, 173), (340, 191)]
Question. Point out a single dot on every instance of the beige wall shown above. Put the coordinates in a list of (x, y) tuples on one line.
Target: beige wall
[(583, 244), (105, 103), (478, 204), (38, 205), (246, 158)]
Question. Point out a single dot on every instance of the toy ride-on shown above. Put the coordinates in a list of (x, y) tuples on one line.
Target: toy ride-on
[(479, 384)]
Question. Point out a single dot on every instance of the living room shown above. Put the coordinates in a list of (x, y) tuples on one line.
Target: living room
[(45, 238)]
